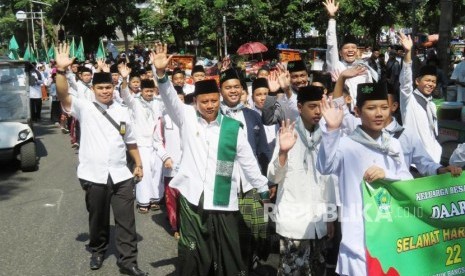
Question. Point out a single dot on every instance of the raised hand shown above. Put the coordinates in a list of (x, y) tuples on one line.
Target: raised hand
[(355, 71), (333, 114), (160, 58), (335, 75), (102, 66), (62, 59), (284, 77), (287, 136), (273, 83), (406, 41), (124, 70), (331, 7), (100, 63)]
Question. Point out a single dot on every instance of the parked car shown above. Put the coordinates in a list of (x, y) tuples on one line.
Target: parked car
[(17, 139)]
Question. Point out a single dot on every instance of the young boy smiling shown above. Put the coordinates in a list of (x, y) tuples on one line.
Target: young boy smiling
[(417, 108), (368, 153)]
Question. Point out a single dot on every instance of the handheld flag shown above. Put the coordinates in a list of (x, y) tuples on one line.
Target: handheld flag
[(80, 51), (29, 54), (43, 55), (51, 53), (101, 50), (72, 49), (13, 49)]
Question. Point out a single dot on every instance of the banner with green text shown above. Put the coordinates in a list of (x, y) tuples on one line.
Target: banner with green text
[(415, 227)]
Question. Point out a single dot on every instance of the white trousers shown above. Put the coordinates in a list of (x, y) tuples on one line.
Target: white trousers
[(150, 188)]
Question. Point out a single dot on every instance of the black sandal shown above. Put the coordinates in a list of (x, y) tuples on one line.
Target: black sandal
[(142, 209), (154, 206)]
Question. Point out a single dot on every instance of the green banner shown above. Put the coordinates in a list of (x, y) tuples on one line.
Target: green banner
[(415, 227)]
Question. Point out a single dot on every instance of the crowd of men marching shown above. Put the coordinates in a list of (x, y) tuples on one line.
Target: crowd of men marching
[(217, 154)]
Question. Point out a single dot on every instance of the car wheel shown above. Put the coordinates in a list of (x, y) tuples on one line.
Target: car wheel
[(28, 157)]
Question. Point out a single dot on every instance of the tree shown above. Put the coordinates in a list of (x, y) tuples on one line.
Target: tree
[(93, 19)]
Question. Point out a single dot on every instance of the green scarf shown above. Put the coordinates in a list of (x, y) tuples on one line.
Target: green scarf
[(225, 160)]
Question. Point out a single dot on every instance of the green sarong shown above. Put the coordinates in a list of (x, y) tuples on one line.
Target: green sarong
[(253, 228), (209, 243)]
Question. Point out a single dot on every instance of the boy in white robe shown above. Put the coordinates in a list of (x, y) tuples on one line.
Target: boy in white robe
[(145, 115), (417, 108), (303, 193), (368, 154)]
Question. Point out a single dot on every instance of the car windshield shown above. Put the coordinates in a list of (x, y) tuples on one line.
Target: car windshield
[(13, 94)]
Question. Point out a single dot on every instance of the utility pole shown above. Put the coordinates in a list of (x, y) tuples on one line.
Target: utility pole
[(445, 27), (42, 27), (414, 19), (32, 25), (225, 37)]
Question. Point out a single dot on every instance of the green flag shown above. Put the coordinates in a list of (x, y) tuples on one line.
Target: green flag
[(13, 54), (51, 53), (27, 53), (80, 51), (13, 49), (33, 55), (43, 55), (101, 50), (13, 44), (415, 227), (72, 49)]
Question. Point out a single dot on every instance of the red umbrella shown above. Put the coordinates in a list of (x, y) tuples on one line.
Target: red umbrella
[(251, 48)]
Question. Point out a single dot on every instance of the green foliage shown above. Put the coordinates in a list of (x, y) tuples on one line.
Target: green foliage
[(93, 19), (181, 21)]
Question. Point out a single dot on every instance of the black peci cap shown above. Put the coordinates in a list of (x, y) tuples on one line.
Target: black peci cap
[(101, 77), (206, 87), (310, 93)]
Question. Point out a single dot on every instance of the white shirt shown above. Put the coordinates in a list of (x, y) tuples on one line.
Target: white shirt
[(117, 94), (414, 152), (200, 148), (188, 88), (290, 106), (349, 160), (172, 144), (303, 193), (35, 91), (458, 156), (366, 55), (84, 91), (270, 131), (102, 150), (459, 75), (317, 65), (415, 117), (145, 116)]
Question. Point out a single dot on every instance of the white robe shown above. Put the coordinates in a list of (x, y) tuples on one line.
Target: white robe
[(414, 152), (145, 117), (349, 160), (303, 194), (458, 156), (414, 116)]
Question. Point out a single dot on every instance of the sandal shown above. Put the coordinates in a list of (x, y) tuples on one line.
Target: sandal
[(154, 206), (143, 209)]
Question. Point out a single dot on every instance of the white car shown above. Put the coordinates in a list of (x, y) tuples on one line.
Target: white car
[(16, 136)]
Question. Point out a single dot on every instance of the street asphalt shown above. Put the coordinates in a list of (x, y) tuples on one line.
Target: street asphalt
[(44, 229)]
